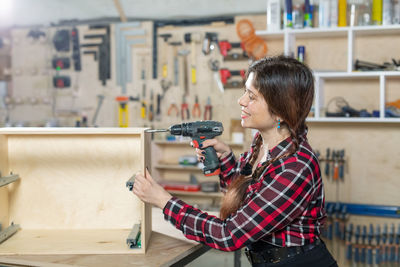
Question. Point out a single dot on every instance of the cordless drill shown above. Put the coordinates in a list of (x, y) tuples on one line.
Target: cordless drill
[(200, 131)]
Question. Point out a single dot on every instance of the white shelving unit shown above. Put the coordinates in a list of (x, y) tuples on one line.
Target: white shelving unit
[(289, 40)]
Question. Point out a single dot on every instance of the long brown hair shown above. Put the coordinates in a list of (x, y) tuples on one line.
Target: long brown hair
[(288, 88)]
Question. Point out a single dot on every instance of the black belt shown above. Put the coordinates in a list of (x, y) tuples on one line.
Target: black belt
[(274, 255)]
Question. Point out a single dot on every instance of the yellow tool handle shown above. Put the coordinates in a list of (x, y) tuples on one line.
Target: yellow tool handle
[(123, 117), (165, 70), (194, 78), (143, 110)]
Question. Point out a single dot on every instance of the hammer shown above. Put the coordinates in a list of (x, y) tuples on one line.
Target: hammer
[(193, 39)]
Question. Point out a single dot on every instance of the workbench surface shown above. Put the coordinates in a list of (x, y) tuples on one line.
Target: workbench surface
[(163, 250)]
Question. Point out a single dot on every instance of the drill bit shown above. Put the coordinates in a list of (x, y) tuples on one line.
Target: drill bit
[(157, 131)]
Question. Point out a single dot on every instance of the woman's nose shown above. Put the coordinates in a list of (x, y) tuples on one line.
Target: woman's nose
[(241, 100)]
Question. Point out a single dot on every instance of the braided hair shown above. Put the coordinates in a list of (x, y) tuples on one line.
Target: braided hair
[(287, 86)]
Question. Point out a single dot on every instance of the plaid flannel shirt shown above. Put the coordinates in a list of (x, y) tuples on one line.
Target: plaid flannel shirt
[(283, 207)]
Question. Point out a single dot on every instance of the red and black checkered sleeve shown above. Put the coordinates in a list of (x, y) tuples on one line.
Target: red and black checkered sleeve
[(229, 171), (281, 195)]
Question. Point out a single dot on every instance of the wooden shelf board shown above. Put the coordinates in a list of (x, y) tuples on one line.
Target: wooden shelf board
[(68, 130), (350, 120), (59, 241), (177, 167), (355, 74), (332, 31), (368, 30), (195, 194)]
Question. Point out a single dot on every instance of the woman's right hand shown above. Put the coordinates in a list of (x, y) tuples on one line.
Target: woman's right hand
[(220, 147)]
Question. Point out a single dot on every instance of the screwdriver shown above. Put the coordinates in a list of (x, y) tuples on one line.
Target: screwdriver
[(327, 163)]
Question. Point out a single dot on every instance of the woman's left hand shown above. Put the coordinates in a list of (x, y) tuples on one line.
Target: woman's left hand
[(150, 191)]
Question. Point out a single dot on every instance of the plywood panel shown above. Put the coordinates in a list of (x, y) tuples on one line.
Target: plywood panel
[(146, 221), (324, 54), (73, 182), (392, 89), (72, 189), (369, 48), (163, 251), (68, 242), (4, 221), (372, 168), (359, 93)]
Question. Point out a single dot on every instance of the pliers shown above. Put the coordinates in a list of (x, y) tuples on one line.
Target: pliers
[(196, 108), (208, 110), (185, 109), (173, 108)]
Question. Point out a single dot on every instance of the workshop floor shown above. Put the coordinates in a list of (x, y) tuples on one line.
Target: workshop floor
[(218, 258)]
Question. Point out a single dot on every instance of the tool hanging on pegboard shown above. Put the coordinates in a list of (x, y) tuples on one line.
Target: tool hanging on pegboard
[(225, 47), (193, 39), (210, 42), (196, 112), (123, 112), (61, 40), (164, 63), (103, 51), (127, 35), (254, 46), (208, 110), (226, 74), (176, 61), (334, 164), (213, 64), (76, 53)]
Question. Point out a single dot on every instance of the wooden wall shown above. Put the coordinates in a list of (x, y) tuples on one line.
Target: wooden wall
[(371, 148)]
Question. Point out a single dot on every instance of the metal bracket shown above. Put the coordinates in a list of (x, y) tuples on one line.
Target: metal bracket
[(131, 182), (133, 239), (8, 179), (8, 232)]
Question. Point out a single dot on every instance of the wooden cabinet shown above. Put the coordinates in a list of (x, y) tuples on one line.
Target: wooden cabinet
[(71, 197)]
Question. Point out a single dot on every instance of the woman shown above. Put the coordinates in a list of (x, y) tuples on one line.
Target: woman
[(274, 204)]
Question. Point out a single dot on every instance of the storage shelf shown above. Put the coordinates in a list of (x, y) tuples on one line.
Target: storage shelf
[(363, 74), (334, 31), (195, 194), (351, 120), (270, 34), (367, 30), (177, 167)]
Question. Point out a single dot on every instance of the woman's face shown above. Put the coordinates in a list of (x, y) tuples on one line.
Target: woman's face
[(255, 113)]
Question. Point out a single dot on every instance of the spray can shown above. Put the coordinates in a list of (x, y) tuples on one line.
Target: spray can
[(301, 52)]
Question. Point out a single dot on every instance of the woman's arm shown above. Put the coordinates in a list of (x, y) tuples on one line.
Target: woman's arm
[(228, 163), (280, 198)]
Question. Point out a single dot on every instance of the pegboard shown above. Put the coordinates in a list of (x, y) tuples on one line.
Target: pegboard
[(35, 102), (33, 99)]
